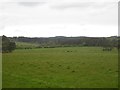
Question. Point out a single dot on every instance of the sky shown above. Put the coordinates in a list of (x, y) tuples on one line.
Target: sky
[(49, 18)]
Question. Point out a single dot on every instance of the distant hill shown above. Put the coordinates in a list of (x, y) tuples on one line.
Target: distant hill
[(62, 41), (25, 45)]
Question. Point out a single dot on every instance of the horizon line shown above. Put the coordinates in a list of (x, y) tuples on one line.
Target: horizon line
[(58, 36)]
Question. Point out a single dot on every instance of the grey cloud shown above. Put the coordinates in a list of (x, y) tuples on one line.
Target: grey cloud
[(70, 5), (82, 5), (29, 4), (17, 30), (2, 27)]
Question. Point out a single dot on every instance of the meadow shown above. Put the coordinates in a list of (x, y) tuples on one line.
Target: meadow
[(64, 67)]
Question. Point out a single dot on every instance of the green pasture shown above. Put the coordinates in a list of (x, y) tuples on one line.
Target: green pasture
[(67, 67)]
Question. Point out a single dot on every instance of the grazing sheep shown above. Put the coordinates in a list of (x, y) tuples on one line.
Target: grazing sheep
[(73, 71), (68, 51), (68, 67), (107, 49)]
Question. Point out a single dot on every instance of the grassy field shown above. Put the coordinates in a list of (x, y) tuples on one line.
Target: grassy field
[(69, 67)]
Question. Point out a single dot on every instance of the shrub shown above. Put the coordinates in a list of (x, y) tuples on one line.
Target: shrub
[(7, 45)]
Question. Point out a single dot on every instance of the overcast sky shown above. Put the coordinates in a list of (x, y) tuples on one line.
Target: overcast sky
[(48, 18)]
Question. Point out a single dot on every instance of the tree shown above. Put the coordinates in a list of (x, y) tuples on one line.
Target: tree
[(7, 45), (107, 44)]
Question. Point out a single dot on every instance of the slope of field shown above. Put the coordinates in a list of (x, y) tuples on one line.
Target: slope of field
[(24, 45), (69, 67)]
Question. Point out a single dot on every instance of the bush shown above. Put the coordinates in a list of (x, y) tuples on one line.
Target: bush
[(7, 45)]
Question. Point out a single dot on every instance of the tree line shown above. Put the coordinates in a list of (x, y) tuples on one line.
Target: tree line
[(8, 43), (62, 41)]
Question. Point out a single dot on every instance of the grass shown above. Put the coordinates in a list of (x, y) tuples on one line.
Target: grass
[(83, 67)]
